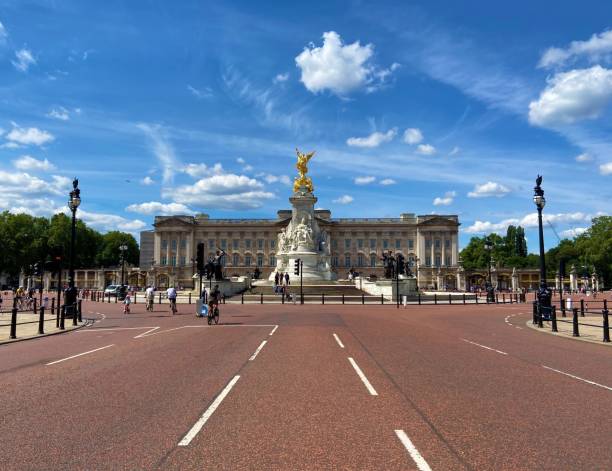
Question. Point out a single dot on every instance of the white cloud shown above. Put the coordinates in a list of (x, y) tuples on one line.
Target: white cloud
[(157, 208), (110, 222), (528, 221), (3, 33), (413, 136), (426, 149), (598, 47), (387, 181), (344, 199), (241, 161), (584, 158), (339, 68), (226, 191), (489, 189), (200, 93), (284, 179), (364, 180), (202, 170), (163, 150), (23, 60), (147, 181), (27, 162), (281, 78), (373, 140), (446, 200), (573, 96), (28, 136), (606, 169), (455, 151), (574, 232), (19, 185), (60, 113)]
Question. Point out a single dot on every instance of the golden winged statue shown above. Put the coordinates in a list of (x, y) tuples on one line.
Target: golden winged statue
[(302, 166)]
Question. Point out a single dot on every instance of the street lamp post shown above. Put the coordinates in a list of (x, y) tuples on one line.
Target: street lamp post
[(123, 248), (73, 203), (544, 293), (488, 245)]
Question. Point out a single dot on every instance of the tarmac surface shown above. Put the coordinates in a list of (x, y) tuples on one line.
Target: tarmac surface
[(284, 387)]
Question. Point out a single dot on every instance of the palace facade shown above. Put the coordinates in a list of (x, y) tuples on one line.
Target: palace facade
[(430, 242)]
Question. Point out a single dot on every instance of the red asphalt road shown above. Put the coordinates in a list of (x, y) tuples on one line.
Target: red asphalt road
[(300, 404)]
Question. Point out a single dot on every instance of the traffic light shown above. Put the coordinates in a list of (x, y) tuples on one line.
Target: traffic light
[(296, 266), (200, 257)]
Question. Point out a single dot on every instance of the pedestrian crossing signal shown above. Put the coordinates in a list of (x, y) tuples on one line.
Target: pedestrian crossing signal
[(296, 267)]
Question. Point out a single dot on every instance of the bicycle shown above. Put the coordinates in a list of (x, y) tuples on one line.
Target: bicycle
[(150, 304), (172, 305), (213, 313)]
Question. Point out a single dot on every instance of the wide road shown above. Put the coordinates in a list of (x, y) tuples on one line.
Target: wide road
[(284, 387)]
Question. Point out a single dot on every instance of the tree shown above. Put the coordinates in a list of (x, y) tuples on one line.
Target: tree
[(595, 246), (109, 253)]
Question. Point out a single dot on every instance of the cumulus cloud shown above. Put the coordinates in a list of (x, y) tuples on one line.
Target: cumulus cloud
[(344, 199), (225, 191), (584, 158), (28, 136), (19, 185), (284, 179), (426, 149), (202, 170), (147, 181), (574, 232), (23, 60), (373, 140), (339, 68), (60, 113), (110, 222), (528, 221), (27, 162), (597, 47), (489, 189), (572, 96), (413, 136), (387, 181), (606, 169), (447, 200), (157, 208), (364, 180)]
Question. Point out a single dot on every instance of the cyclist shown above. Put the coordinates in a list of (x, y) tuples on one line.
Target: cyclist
[(172, 299), (150, 295), (213, 299)]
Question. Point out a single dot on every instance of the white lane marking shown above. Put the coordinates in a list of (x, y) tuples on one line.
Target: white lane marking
[(147, 332), (206, 415), (484, 346), (274, 330), (414, 453), (578, 378), (258, 350), (338, 341), (78, 355), (517, 327), (98, 329), (363, 378)]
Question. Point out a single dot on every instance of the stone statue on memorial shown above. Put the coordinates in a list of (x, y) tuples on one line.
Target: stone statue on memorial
[(302, 167), (218, 264)]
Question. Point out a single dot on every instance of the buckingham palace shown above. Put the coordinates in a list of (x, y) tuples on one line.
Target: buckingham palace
[(428, 241)]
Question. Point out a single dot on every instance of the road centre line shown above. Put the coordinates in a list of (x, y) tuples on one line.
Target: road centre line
[(363, 378), (274, 330), (414, 453), (80, 354), (578, 378), (147, 332), (258, 350), (338, 341), (484, 346), (208, 413)]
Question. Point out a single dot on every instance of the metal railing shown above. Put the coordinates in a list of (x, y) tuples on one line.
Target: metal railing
[(543, 314), (73, 312)]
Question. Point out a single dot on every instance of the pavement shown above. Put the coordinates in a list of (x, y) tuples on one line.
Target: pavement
[(284, 387), (27, 326)]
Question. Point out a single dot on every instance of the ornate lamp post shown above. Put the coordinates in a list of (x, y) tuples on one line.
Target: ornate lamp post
[(123, 248), (74, 202), (488, 245), (544, 293)]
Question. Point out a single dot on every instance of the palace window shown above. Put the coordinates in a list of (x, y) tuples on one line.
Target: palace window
[(247, 243), (163, 260), (183, 243), (347, 243), (428, 261), (223, 244), (360, 260), (236, 260), (211, 244), (447, 243), (449, 259), (438, 261), (385, 244), (335, 244), (398, 244), (410, 244), (427, 243), (247, 260), (373, 260), (360, 243), (273, 245), (235, 244), (173, 244), (173, 260), (164, 244), (182, 260), (437, 243), (334, 261), (259, 260), (272, 261), (260, 244), (372, 243), (347, 260)]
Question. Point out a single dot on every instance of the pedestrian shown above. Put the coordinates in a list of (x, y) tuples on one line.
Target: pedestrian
[(287, 279), (126, 304), (46, 302), (276, 279)]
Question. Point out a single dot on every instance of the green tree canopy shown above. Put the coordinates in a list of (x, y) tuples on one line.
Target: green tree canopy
[(109, 253)]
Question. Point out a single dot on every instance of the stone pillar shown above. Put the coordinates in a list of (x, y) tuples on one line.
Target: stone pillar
[(494, 276), (454, 249), (439, 280), (461, 278), (432, 250), (573, 280), (515, 281), (557, 282)]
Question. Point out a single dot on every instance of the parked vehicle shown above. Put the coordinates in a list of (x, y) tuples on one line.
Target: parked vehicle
[(112, 289)]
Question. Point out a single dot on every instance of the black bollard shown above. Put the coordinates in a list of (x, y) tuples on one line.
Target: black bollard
[(190, 297), (582, 308), (80, 310), (503, 298), (62, 316), (562, 302), (435, 298), (419, 298), (540, 317), (553, 318), (41, 320), (606, 322), (13, 334), (242, 298), (75, 314), (35, 307), (322, 298), (535, 313), (159, 299), (463, 298), (52, 306), (261, 298), (382, 299), (450, 300), (342, 298), (362, 298), (576, 333)]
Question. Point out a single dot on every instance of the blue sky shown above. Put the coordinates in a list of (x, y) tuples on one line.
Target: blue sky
[(427, 107)]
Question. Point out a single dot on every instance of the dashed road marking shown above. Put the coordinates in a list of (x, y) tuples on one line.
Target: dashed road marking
[(363, 378), (258, 350), (578, 378), (338, 341), (274, 330), (208, 413), (79, 355), (414, 453), (484, 346)]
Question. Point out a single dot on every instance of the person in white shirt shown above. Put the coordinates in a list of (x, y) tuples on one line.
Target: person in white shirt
[(150, 295), (171, 293)]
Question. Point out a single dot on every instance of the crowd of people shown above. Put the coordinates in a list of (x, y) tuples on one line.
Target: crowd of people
[(282, 281)]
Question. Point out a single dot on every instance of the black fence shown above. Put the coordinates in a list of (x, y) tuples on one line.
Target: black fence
[(62, 313), (583, 308)]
